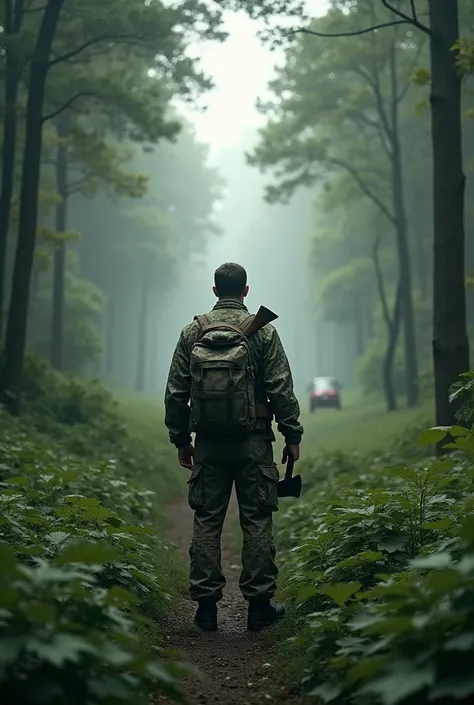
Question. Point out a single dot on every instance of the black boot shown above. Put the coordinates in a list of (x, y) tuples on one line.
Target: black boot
[(206, 616), (262, 614)]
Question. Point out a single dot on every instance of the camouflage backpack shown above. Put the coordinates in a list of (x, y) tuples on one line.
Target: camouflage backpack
[(223, 379)]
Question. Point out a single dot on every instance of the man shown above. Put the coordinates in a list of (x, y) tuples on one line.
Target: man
[(233, 400)]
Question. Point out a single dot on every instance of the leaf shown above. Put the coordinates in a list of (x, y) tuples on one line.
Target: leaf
[(61, 648), (20, 480), (467, 528), (434, 561), (393, 542), (433, 435), (371, 556), (340, 592), (327, 691), (458, 431), (10, 648), (306, 592), (90, 553), (421, 77), (459, 688), (438, 525), (57, 537), (461, 642), (402, 681)]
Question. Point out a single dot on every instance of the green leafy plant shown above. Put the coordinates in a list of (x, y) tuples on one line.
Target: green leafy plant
[(79, 579), (380, 571)]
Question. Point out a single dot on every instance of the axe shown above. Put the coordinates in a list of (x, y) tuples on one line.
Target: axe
[(290, 486)]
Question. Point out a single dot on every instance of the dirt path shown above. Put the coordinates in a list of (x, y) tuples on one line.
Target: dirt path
[(234, 660)]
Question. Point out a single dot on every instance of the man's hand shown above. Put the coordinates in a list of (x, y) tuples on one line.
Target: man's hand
[(186, 456), (290, 451)]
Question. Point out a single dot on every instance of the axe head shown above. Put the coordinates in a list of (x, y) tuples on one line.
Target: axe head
[(290, 487)]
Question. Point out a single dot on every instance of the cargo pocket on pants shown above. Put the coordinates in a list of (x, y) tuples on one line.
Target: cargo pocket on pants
[(196, 488), (268, 477)]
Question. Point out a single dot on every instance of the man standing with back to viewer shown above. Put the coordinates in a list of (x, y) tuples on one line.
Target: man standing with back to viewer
[(226, 386)]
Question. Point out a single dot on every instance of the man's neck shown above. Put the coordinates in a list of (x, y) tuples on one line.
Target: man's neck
[(238, 300)]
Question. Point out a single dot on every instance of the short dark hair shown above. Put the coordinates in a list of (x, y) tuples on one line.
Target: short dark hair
[(230, 279)]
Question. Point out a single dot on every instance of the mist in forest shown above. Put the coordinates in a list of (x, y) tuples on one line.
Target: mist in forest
[(300, 147)]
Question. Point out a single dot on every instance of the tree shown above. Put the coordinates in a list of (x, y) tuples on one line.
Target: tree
[(334, 104), (450, 340), (13, 18), (159, 33), (171, 222)]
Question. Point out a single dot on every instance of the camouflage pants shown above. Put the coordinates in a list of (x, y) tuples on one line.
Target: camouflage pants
[(218, 464)]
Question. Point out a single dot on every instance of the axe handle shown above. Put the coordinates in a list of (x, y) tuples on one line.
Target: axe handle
[(290, 463)]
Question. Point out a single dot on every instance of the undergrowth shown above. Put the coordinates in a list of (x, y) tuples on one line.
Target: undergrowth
[(84, 574), (378, 563)]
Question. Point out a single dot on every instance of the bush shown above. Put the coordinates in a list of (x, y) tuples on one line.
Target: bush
[(89, 422), (78, 572), (382, 577)]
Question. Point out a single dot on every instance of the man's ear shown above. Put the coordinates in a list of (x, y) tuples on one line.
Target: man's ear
[(216, 293), (245, 291)]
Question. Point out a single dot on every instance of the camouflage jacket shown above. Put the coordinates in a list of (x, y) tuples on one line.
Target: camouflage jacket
[(274, 379)]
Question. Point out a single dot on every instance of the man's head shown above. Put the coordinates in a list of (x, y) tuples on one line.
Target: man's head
[(230, 281)]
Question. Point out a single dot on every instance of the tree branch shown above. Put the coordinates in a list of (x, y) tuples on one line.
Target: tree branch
[(68, 104), (408, 83), (95, 40), (363, 187), (34, 10), (77, 185), (353, 33), (413, 19)]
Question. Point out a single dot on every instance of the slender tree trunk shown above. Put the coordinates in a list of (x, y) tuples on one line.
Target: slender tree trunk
[(153, 362), (13, 18), (12, 76), (392, 340), (450, 340), (358, 328), (59, 265), (369, 325), (142, 337), (14, 351), (411, 363), (110, 339), (392, 323), (421, 261)]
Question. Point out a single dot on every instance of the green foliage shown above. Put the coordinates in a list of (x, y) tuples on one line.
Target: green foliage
[(88, 421), (78, 572), (464, 49), (369, 366), (381, 572), (84, 304)]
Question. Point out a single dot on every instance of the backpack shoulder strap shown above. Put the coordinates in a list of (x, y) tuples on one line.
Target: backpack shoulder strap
[(202, 321)]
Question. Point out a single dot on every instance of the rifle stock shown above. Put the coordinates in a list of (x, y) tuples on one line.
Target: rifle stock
[(261, 318)]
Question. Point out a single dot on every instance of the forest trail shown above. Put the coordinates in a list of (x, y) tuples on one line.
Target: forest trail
[(235, 662)]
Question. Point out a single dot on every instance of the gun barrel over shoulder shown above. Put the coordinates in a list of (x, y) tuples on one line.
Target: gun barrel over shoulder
[(261, 318)]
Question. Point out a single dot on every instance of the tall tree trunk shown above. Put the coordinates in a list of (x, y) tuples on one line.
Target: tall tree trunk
[(450, 340), (110, 339), (59, 265), (153, 362), (406, 303), (14, 351), (142, 337), (358, 328), (392, 339), (8, 171), (392, 323), (13, 17), (421, 261)]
